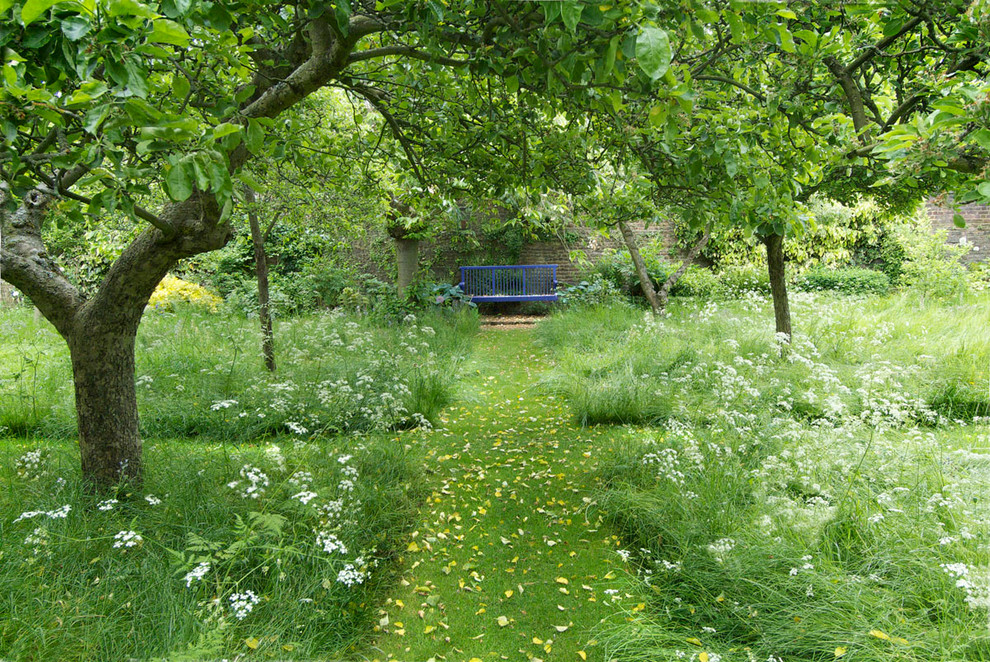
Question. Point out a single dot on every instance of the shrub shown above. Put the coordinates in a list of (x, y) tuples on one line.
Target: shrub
[(848, 280), (737, 279), (933, 267), (598, 292), (617, 268), (172, 291)]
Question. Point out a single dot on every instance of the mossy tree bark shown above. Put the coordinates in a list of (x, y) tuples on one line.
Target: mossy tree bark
[(407, 260)]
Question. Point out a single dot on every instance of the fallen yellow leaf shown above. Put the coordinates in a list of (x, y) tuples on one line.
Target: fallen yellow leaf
[(702, 656), (428, 629), (694, 641), (562, 580), (582, 655), (502, 621), (537, 641), (252, 642), (840, 651), (879, 634), (508, 593), (413, 547)]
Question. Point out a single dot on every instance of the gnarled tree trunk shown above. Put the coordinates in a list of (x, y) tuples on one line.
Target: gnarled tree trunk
[(106, 403), (640, 265), (100, 331), (778, 284)]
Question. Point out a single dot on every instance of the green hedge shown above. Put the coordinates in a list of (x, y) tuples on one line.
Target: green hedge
[(848, 280)]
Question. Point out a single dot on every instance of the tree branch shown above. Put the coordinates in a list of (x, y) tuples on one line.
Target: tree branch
[(408, 51)]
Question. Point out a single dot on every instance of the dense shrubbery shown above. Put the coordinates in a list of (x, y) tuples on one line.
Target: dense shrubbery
[(200, 375), (848, 280), (796, 503), (617, 268)]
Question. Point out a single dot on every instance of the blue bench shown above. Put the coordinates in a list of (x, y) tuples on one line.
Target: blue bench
[(526, 282)]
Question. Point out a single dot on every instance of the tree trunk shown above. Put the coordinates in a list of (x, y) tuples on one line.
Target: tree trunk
[(664, 295), (261, 271), (640, 265), (106, 406), (407, 258), (778, 284), (100, 331)]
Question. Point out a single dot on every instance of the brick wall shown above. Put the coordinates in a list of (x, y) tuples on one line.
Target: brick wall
[(594, 244), (976, 232)]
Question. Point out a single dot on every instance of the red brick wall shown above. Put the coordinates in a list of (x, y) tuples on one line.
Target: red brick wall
[(976, 232)]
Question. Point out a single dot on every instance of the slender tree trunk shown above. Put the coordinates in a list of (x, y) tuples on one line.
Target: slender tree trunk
[(106, 406), (664, 295), (261, 271), (407, 259), (640, 265), (778, 284)]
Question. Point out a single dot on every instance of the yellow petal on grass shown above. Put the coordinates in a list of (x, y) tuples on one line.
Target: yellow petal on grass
[(693, 641), (582, 655), (413, 547), (429, 628), (702, 656), (562, 580), (502, 621), (509, 593), (475, 659), (537, 641), (840, 651), (880, 634), (252, 642)]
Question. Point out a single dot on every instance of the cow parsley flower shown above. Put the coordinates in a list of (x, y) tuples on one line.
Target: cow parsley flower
[(242, 604), (127, 539), (197, 573)]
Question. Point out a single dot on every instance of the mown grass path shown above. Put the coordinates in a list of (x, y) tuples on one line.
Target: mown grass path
[(508, 561)]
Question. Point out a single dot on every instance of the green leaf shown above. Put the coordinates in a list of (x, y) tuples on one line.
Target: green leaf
[(570, 11), (512, 84), (179, 180), (735, 26), (130, 8), (164, 31), (180, 86), (76, 27), (255, 138), (137, 81), (658, 115), (653, 52), (984, 189), (787, 13), (982, 138), (5, 5), (225, 129), (32, 9), (958, 221)]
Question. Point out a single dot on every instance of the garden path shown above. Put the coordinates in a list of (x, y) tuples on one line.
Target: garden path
[(508, 560)]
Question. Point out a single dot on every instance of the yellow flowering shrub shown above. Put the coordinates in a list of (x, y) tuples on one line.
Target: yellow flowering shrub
[(173, 290)]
